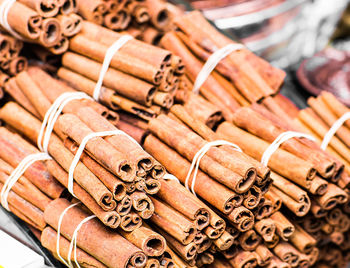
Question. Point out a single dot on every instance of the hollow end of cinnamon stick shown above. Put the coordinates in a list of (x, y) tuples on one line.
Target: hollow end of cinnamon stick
[(50, 33)]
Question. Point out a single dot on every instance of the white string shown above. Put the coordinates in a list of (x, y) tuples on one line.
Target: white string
[(107, 61), (211, 64), (73, 242), (81, 149), (52, 114), (279, 140), (4, 11), (59, 233), (170, 177), (17, 173), (199, 155), (327, 138)]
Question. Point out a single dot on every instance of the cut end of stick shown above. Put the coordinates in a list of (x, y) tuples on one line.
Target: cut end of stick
[(246, 183)]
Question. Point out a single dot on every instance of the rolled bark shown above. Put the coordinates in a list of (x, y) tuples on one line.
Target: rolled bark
[(252, 197), (169, 158), (120, 61), (112, 159), (25, 210), (261, 127), (244, 259), (17, 65), (158, 13), (332, 197), (335, 105), (324, 112), (284, 227), (203, 110), (48, 240), (318, 186), (225, 241), (29, 126), (109, 218), (206, 133), (14, 148), (264, 255), (108, 247), (60, 47), (275, 199), (204, 34), (70, 25), (121, 142), (192, 143), (26, 190), (151, 243), (302, 240), (277, 263), (266, 228), (299, 171), (299, 208), (130, 222), (271, 244), (92, 10), (249, 240), (264, 209), (171, 192), (50, 32), (143, 204), (317, 125), (287, 253), (187, 252), (24, 20), (242, 219), (173, 222), (116, 186), (142, 92), (154, 55), (107, 96), (173, 43)]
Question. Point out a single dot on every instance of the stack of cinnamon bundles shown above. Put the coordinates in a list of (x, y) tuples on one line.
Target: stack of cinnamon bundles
[(47, 23), (125, 156)]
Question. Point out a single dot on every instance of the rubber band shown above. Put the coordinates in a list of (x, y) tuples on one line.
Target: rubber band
[(212, 62), (329, 135), (170, 177), (59, 233), (52, 115), (17, 173), (279, 140), (4, 11), (197, 158), (81, 150), (73, 242), (107, 61)]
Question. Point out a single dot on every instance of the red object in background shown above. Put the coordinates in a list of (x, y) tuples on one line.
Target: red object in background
[(328, 70)]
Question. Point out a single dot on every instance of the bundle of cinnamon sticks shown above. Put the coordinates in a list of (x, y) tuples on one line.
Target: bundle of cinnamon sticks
[(238, 80), (47, 23), (130, 15), (142, 79), (115, 176)]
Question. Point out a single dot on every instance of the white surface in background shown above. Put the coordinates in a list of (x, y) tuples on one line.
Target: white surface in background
[(14, 254)]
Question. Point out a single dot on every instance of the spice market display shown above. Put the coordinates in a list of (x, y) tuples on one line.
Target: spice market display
[(157, 141)]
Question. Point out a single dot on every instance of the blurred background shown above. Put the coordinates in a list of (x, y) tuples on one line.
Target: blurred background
[(281, 31), (310, 39)]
